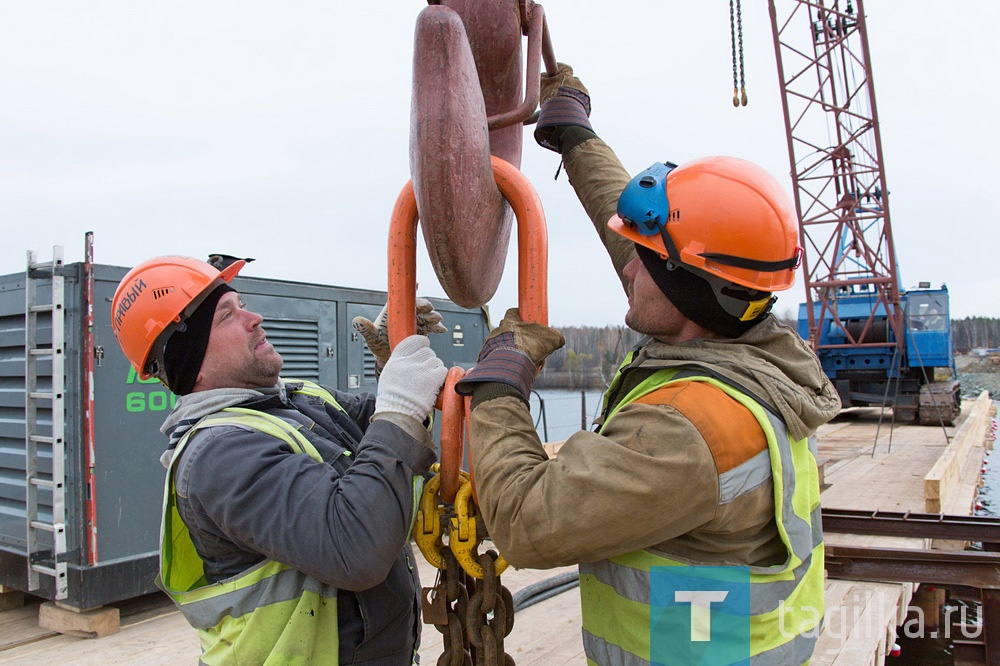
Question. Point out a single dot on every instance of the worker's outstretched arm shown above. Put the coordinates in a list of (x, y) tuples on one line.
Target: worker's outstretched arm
[(593, 169), (593, 500)]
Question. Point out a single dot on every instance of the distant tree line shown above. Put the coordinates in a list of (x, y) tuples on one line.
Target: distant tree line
[(975, 333), (589, 358), (592, 353)]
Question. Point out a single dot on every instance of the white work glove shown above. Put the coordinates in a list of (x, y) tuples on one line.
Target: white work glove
[(376, 334), (411, 379)]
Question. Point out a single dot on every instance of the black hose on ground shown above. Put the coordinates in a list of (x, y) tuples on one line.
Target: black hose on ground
[(545, 589)]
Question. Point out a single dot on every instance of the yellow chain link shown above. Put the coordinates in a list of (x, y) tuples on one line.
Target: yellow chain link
[(463, 531), (464, 539), (427, 528)]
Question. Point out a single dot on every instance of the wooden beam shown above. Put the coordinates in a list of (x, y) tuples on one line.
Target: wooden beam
[(93, 623), (946, 477)]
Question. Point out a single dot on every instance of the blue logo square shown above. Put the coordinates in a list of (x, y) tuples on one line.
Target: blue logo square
[(699, 616)]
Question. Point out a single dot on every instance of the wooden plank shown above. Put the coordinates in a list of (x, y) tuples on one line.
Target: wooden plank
[(162, 640), (945, 478), (962, 498), (879, 612), (548, 632), (829, 642), (93, 623), (952, 486), (19, 626), (859, 623), (907, 591), (887, 475)]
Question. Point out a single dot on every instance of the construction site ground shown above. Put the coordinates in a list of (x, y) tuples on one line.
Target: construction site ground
[(868, 463)]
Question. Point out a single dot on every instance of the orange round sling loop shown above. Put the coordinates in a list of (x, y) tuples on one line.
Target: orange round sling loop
[(532, 292), (452, 434)]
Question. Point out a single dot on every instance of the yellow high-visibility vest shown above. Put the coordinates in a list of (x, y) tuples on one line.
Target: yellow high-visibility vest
[(268, 614), (786, 600)]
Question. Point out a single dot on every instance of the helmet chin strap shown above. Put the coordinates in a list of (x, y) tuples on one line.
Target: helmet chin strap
[(673, 254), (700, 297), (755, 264)]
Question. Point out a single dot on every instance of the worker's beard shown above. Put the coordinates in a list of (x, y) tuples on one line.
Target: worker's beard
[(262, 372)]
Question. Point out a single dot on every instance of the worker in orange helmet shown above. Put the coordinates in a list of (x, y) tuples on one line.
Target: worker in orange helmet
[(700, 475), (287, 506)]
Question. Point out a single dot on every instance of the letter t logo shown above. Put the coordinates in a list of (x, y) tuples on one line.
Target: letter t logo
[(701, 618)]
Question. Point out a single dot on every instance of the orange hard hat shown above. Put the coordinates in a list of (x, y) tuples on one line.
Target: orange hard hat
[(153, 298), (723, 215)]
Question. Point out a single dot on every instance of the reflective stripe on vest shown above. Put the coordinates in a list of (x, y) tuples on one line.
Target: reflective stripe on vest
[(268, 614), (786, 600), (315, 390)]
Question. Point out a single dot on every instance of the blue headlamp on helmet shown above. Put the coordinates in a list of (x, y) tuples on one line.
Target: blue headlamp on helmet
[(643, 206), (643, 203)]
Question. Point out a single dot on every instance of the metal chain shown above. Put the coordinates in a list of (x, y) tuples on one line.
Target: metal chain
[(452, 589), (732, 41), (739, 30), (473, 614), (736, 33), (490, 615)]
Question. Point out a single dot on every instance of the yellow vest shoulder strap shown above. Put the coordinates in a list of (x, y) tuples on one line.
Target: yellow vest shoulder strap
[(314, 389), (263, 422)]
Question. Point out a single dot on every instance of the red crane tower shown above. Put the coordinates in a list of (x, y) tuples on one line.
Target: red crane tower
[(877, 342)]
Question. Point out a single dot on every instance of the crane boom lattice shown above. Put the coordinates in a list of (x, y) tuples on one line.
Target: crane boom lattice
[(835, 151)]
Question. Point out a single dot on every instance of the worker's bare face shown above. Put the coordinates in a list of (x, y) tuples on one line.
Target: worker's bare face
[(650, 312), (238, 353)]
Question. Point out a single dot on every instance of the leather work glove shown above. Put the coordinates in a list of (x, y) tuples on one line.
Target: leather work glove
[(564, 101), (512, 355), (411, 379), (376, 334)]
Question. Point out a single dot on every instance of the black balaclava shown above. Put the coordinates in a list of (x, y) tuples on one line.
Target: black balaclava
[(694, 297), (185, 348)]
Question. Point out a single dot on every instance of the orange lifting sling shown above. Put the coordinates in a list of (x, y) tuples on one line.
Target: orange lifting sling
[(532, 293)]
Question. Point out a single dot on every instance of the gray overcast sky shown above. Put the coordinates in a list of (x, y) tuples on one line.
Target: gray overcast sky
[(279, 130)]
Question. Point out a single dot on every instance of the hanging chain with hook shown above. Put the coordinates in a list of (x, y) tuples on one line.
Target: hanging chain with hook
[(468, 604), (736, 37)]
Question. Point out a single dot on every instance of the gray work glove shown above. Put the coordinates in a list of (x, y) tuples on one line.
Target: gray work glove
[(376, 334), (565, 101), (512, 355), (411, 379)]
